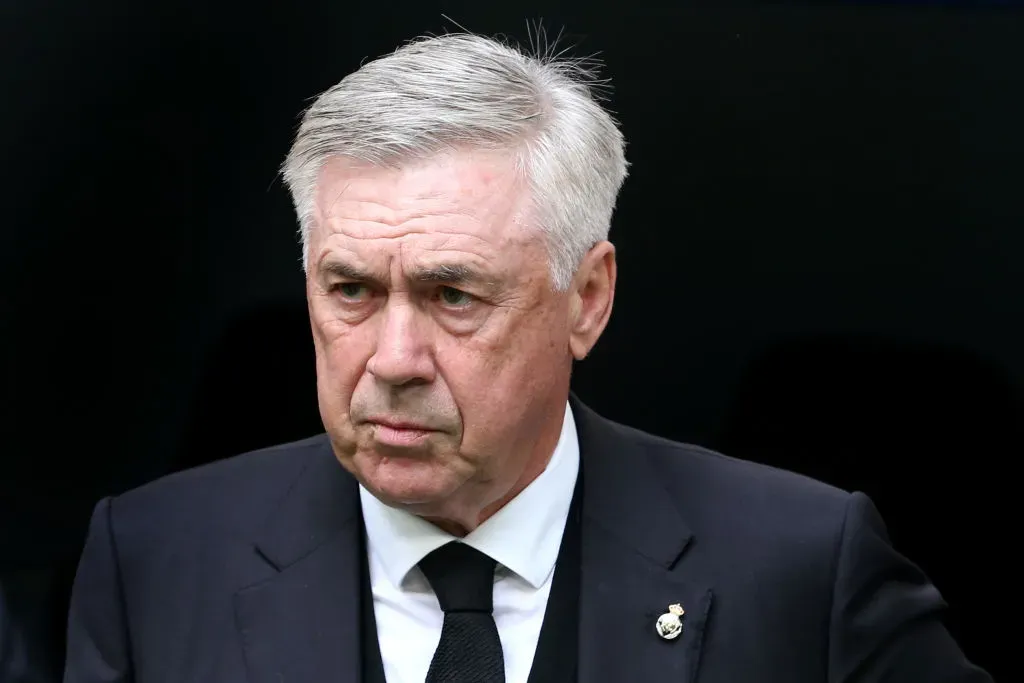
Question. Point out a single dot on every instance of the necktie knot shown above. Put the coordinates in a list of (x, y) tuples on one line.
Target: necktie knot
[(462, 577)]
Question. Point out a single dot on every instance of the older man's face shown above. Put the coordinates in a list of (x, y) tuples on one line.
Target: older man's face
[(443, 355)]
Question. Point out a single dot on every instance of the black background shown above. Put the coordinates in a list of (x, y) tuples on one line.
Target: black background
[(819, 252)]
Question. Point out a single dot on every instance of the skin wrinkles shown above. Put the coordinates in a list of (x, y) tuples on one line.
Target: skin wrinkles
[(483, 364)]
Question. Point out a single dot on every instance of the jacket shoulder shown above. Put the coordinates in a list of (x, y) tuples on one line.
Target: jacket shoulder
[(229, 496), (716, 490)]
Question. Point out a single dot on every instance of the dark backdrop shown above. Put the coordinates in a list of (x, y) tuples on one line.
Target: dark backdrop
[(819, 251)]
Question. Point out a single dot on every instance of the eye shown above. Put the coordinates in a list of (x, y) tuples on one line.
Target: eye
[(350, 290), (455, 297)]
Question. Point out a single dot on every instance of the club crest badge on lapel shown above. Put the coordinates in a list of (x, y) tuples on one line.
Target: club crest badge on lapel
[(670, 624)]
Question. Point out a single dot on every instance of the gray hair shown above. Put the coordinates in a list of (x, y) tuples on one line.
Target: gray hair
[(463, 91)]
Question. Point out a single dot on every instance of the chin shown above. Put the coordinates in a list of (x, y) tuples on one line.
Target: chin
[(407, 482)]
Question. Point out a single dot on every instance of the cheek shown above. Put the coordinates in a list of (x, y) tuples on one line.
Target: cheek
[(493, 382), (341, 355)]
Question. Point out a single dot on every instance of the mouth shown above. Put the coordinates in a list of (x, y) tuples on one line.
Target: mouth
[(399, 433)]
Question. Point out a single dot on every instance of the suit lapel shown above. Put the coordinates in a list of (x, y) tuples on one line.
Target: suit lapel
[(633, 565), (303, 623)]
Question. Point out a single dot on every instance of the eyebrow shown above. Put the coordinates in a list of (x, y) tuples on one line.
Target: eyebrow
[(343, 270), (445, 274), (451, 274)]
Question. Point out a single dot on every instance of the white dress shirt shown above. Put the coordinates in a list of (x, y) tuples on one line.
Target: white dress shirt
[(523, 537)]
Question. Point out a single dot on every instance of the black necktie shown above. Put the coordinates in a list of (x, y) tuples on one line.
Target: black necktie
[(470, 650)]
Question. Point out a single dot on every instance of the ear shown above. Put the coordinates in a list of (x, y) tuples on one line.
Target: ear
[(590, 306)]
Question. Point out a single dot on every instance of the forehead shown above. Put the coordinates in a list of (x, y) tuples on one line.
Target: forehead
[(473, 195)]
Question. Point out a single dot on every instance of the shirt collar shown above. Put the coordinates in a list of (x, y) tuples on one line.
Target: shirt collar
[(523, 536)]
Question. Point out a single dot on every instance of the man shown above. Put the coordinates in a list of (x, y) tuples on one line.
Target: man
[(464, 518)]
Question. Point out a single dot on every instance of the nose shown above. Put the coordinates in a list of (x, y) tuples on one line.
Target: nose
[(402, 355)]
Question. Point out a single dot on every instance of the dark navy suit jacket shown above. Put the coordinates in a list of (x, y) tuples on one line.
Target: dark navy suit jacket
[(248, 570)]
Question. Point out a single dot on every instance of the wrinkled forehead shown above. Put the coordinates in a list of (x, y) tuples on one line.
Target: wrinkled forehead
[(466, 208), (481, 191)]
